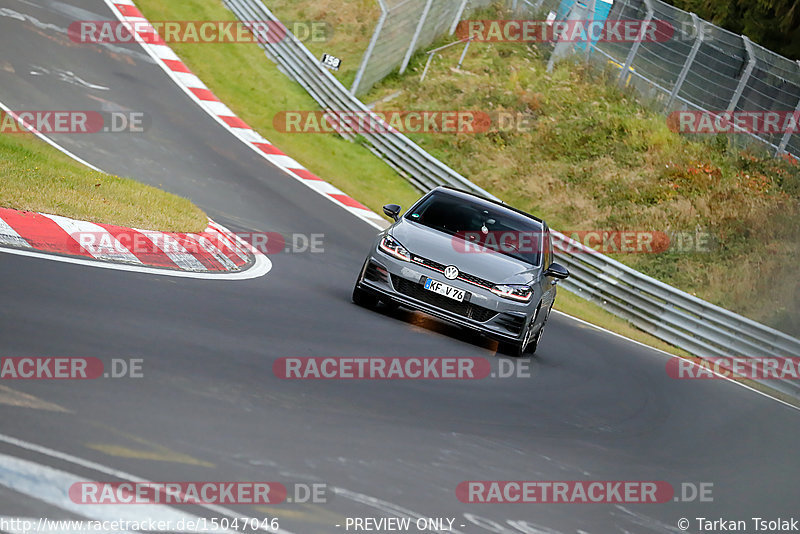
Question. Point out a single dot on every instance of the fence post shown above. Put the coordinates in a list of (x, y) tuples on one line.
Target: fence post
[(368, 54), (635, 48), (788, 134), (622, 10), (689, 60), (464, 53), (751, 63), (413, 43), (459, 14)]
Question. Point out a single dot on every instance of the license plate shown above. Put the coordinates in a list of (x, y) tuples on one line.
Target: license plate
[(443, 289)]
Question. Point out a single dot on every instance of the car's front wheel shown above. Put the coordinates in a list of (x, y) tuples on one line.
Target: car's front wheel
[(364, 298), (361, 296), (534, 344), (528, 342)]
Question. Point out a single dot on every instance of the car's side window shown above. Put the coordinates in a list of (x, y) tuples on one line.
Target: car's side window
[(550, 256)]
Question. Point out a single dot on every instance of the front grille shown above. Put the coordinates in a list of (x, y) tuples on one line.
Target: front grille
[(475, 280), (436, 266), (418, 292)]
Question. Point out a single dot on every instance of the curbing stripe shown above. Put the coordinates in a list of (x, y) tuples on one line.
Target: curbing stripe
[(42, 233), (215, 250), (102, 244), (174, 250), (10, 237)]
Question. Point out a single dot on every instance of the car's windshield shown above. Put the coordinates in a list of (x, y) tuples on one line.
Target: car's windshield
[(481, 227)]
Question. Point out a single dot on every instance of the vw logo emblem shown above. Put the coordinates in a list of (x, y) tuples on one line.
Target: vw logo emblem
[(451, 272)]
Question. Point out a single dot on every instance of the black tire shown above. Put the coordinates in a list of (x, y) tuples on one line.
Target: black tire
[(517, 349), (534, 344), (364, 298), (527, 344)]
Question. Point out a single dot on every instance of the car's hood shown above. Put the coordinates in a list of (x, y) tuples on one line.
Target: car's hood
[(450, 250)]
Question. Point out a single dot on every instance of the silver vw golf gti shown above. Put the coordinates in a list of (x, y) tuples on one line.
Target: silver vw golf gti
[(468, 260)]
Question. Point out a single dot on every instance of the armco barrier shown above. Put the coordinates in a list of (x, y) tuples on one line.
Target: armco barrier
[(674, 316)]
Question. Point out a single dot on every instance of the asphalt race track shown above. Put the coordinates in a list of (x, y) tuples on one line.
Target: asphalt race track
[(209, 407)]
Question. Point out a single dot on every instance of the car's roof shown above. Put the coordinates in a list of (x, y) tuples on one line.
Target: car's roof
[(486, 202)]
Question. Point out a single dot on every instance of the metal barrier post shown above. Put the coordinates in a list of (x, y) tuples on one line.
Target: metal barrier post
[(689, 60), (464, 53), (414, 39), (375, 35), (751, 63), (635, 48), (459, 14), (788, 133)]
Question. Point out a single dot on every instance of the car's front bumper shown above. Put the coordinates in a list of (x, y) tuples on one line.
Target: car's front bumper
[(482, 311)]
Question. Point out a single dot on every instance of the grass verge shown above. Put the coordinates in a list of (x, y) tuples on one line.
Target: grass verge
[(37, 177)]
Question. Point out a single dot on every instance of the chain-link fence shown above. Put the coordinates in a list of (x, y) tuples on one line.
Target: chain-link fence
[(699, 67), (404, 27)]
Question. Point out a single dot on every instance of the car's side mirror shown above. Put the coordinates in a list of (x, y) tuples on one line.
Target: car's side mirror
[(556, 271), (392, 210)]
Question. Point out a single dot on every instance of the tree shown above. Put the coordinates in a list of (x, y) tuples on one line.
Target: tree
[(774, 24)]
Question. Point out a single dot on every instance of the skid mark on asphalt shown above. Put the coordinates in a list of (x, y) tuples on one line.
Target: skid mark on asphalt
[(19, 399), (148, 450)]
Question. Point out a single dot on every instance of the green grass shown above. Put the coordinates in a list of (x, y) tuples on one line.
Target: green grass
[(37, 177), (352, 23), (254, 88)]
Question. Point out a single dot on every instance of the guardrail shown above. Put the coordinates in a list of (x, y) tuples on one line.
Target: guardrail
[(674, 316)]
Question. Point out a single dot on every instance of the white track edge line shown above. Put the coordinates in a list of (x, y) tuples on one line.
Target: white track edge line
[(260, 267), (662, 351)]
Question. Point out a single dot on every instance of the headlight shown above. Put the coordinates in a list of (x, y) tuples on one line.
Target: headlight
[(513, 292), (390, 246)]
